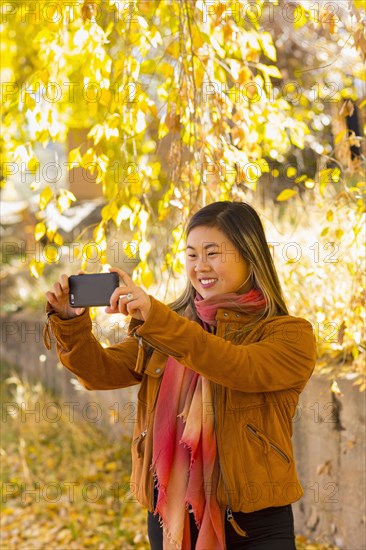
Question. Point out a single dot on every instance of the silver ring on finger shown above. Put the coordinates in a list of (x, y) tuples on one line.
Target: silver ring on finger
[(129, 296)]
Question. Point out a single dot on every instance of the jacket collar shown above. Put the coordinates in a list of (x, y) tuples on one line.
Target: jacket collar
[(223, 315)]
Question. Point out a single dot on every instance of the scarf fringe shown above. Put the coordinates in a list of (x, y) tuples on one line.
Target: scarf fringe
[(183, 415), (161, 489), (169, 536), (166, 532), (196, 520), (192, 458)]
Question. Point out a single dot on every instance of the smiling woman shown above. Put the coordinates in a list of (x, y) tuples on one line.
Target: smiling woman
[(220, 372), (226, 242)]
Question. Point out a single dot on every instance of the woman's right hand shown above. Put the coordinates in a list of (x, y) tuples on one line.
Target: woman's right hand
[(59, 300)]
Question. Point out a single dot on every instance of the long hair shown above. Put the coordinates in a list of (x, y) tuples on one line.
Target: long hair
[(242, 225)]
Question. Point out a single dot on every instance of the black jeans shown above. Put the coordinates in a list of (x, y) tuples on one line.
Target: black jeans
[(267, 529)]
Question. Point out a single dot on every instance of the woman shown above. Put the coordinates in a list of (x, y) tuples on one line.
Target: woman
[(220, 373)]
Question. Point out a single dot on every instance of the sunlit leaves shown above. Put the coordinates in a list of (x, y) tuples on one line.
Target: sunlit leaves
[(39, 231), (45, 196), (327, 177), (99, 234), (122, 214), (269, 71), (100, 131), (286, 194), (64, 199), (75, 157), (181, 104), (291, 172), (268, 47), (36, 268)]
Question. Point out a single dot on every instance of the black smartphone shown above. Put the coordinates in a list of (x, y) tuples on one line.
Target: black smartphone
[(93, 289)]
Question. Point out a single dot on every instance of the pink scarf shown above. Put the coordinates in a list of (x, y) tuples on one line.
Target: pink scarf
[(250, 303), (185, 462)]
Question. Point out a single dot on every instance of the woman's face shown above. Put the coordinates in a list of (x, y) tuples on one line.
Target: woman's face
[(214, 264)]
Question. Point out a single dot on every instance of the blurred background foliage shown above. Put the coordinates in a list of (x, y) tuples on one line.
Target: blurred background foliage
[(165, 106)]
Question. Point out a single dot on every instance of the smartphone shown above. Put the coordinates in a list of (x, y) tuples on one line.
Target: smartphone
[(93, 289)]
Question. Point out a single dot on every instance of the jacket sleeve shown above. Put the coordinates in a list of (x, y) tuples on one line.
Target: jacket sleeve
[(96, 368), (282, 356)]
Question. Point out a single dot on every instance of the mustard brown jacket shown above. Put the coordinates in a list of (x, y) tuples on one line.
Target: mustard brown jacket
[(256, 375)]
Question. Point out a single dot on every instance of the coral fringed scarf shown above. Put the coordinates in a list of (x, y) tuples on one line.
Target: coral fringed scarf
[(185, 464), (252, 302)]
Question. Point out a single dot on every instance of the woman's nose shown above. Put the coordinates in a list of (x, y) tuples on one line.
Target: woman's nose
[(201, 265)]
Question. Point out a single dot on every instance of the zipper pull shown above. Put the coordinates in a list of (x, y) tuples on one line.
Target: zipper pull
[(267, 445), (47, 335), (140, 361), (236, 527), (47, 339), (139, 439)]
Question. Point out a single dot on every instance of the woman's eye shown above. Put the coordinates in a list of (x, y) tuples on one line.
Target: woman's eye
[(208, 254)]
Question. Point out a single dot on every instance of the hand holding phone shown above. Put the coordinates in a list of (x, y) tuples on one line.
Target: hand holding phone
[(58, 298), (71, 295)]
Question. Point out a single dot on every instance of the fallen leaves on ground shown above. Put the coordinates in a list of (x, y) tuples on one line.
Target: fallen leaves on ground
[(66, 484)]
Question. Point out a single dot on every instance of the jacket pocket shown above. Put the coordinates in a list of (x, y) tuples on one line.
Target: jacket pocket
[(268, 445)]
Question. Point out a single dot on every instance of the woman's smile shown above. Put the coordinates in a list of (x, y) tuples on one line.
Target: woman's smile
[(208, 283)]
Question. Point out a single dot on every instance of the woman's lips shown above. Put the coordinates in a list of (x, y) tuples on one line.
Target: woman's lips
[(210, 282)]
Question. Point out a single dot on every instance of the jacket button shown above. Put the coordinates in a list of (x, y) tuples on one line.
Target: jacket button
[(226, 315), (157, 371)]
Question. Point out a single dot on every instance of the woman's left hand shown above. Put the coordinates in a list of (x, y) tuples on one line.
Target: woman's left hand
[(128, 298)]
